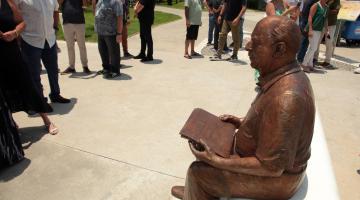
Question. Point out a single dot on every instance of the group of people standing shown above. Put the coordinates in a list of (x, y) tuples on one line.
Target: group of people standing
[(224, 16), (112, 18), (27, 39), (316, 19)]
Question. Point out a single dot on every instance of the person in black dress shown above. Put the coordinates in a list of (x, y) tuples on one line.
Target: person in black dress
[(144, 10), (17, 86), (11, 150)]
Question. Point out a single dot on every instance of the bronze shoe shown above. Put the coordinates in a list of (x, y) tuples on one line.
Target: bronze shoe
[(178, 191)]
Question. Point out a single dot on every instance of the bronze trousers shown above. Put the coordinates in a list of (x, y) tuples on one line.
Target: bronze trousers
[(204, 182)]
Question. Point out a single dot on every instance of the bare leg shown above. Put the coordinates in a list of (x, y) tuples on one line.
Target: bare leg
[(192, 45), (187, 42), (50, 127)]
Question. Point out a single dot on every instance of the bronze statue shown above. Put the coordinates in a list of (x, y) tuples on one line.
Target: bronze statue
[(272, 144)]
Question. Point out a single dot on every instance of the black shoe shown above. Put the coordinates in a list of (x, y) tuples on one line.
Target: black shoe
[(147, 59), (140, 56), (86, 70), (59, 99), (101, 72), (68, 70), (128, 55), (112, 75), (233, 57)]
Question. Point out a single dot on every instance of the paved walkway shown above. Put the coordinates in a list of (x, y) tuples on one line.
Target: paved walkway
[(119, 138)]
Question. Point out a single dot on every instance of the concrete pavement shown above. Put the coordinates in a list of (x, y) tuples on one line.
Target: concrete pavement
[(119, 138)]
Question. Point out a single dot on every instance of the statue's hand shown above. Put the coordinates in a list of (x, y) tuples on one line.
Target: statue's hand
[(207, 155), (231, 119)]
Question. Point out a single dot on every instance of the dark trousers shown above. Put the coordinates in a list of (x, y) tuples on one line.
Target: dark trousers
[(48, 55), (304, 41), (212, 23), (146, 38), (109, 51), (303, 48)]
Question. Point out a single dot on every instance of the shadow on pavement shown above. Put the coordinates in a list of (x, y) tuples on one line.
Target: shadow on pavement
[(123, 77), (238, 62), (122, 66), (154, 62), (31, 135), (63, 109), (14, 171), (344, 59), (82, 75)]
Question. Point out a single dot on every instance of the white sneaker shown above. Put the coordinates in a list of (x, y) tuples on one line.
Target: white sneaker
[(357, 70)]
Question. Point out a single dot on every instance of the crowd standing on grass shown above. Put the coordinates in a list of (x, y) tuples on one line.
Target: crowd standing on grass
[(27, 38)]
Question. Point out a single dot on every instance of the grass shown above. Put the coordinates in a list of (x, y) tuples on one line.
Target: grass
[(178, 5), (133, 28)]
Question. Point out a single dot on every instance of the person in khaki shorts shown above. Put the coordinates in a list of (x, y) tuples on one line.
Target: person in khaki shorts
[(231, 12), (74, 30)]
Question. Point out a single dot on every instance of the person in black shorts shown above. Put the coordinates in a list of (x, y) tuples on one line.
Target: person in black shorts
[(193, 9)]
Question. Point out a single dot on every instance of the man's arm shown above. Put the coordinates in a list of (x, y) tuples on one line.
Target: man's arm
[(138, 8), (93, 3), (310, 21), (119, 29), (222, 11)]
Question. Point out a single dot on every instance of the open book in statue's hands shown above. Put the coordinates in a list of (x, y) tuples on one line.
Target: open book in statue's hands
[(218, 135)]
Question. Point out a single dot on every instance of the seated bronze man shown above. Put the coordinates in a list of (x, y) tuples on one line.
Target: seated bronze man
[(272, 144)]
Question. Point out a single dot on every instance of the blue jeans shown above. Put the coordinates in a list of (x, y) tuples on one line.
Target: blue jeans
[(212, 21), (48, 55), (304, 41), (303, 48)]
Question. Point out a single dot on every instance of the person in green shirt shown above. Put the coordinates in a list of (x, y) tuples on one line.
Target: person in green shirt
[(334, 8), (316, 23)]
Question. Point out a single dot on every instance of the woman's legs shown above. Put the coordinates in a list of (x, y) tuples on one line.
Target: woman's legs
[(50, 127)]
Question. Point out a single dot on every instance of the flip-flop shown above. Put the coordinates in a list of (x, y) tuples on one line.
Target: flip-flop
[(52, 129), (187, 56)]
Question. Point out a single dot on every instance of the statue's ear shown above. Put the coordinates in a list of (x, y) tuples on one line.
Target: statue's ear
[(279, 49)]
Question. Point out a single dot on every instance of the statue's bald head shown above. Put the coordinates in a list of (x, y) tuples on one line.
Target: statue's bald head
[(282, 29), (274, 43)]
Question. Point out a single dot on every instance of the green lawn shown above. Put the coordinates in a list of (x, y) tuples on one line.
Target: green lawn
[(178, 5), (91, 36)]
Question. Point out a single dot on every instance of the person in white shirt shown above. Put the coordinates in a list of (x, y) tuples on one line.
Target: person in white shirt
[(39, 42)]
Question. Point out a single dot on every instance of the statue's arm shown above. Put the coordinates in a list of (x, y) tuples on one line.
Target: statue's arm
[(236, 164)]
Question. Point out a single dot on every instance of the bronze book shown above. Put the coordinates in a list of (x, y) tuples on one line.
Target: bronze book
[(218, 135)]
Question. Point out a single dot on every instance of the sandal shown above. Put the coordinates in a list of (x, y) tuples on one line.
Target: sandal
[(195, 54), (187, 56), (52, 129)]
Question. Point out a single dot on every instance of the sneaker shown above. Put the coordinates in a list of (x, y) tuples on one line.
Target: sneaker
[(233, 57), (112, 75), (59, 99), (102, 72), (357, 70), (324, 64), (329, 67), (227, 50), (68, 70), (128, 55), (86, 70), (140, 56), (216, 57), (147, 59)]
